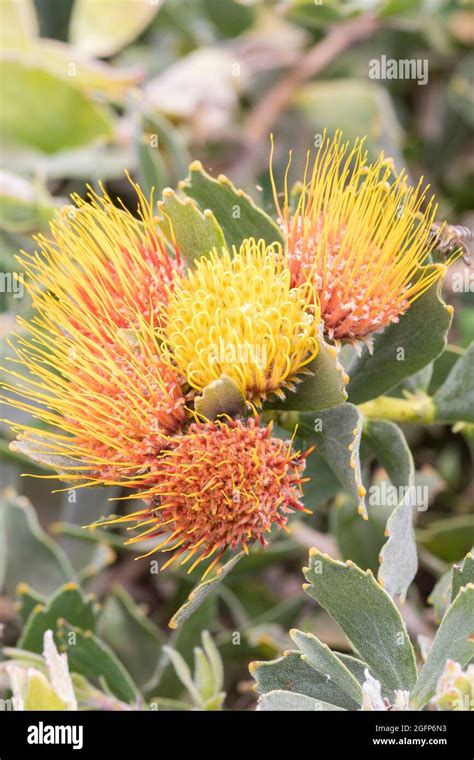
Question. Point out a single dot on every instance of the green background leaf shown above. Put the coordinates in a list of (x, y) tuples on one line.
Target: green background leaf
[(90, 657), (29, 554), (69, 603), (32, 96), (454, 400)]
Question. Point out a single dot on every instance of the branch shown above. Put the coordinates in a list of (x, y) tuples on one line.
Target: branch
[(338, 39)]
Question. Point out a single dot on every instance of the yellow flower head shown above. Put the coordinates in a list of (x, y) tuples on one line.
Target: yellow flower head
[(359, 234), (239, 315), (89, 364)]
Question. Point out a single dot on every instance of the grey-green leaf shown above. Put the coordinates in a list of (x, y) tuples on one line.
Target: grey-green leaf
[(454, 641), (28, 599), (291, 673), (462, 574), (440, 596), (359, 540), (184, 674), (419, 381), (337, 434), (203, 675), (367, 616), (391, 450), (35, 449), (398, 558), (322, 659), (202, 591), (323, 389), (214, 659), (287, 700), (92, 658), (69, 603)]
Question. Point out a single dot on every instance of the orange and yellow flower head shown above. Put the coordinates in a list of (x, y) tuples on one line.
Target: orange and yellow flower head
[(239, 315), (89, 364), (359, 234), (103, 259), (219, 486)]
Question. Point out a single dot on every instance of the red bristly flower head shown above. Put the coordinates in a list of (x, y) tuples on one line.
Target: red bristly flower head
[(219, 486)]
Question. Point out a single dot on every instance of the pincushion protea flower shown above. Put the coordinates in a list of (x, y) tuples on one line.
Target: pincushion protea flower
[(104, 260), (94, 370), (218, 486), (239, 315), (359, 235)]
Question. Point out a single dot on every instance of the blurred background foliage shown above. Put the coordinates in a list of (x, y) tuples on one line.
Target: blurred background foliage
[(90, 88)]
